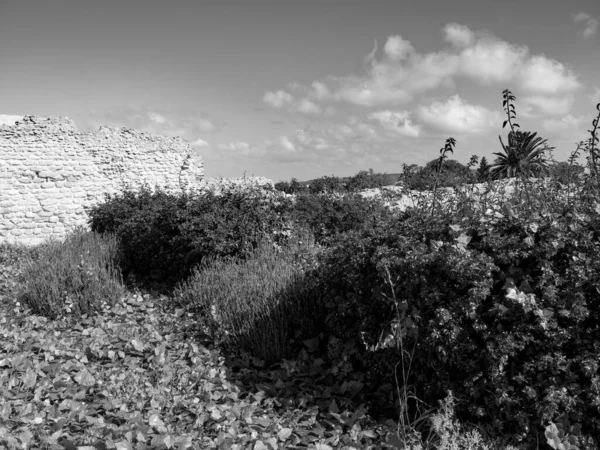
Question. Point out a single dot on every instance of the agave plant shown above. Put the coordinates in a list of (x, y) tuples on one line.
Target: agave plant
[(524, 155)]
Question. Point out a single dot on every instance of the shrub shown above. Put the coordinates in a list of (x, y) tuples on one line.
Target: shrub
[(366, 180), (292, 187), (77, 275), (254, 304), (164, 236), (473, 327)]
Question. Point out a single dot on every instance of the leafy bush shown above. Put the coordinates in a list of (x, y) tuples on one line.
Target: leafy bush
[(327, 185), (366, 180), (291, 187), (164, 236), (328, 215), (77, 275), (253, 305), (469, 329)]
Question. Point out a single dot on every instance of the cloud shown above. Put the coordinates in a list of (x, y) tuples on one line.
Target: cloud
[(240, 148), (535, 105), (591, 24), (308, 107), (458, 35), (320, 91), (199, 143), (541, 75), (285, 100), (401, 74), (154, 117), (562, 124), (396, 121), (278, 99), (9, 119), (205, 126), (398, 49), (491, 61), (457, 116)]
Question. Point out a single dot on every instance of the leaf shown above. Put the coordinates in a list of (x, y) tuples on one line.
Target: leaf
[(312, 344), (553, 436), (123, 445), (157, 423), (284, 433), (463, 239), (29, 378), (138, 345), (85, 378)]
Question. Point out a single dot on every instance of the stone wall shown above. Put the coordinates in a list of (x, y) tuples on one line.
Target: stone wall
[(50, 173)]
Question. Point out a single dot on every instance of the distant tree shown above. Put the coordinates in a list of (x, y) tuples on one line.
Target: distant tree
[(327, 184), (365, 180), (483, 172), (292, 187)]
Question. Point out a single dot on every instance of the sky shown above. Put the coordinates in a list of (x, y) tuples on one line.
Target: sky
[(308, 88)]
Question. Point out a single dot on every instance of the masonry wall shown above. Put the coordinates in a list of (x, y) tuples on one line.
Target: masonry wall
[(50, 173)]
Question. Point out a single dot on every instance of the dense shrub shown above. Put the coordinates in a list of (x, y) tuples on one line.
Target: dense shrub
[(327, 185), (328, 215), (79, 275), (163, 236), (503, 312), (367, 180), (291, 187), (451, 174)]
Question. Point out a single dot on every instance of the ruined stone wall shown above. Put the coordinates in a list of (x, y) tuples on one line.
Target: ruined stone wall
[(50, 173)]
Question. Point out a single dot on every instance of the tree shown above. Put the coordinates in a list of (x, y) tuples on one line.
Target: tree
[(483, 172), (524, 155)]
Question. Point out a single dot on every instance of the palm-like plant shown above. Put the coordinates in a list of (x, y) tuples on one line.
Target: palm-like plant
[(524, 155)]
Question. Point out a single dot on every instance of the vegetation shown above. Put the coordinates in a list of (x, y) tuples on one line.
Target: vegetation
[(320, 320)]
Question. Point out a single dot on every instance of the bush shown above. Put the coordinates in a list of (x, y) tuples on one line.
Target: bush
[(328, 215), (491, 300), (164, 236), (292, 187), (78, 275), (254, 304), (366, 180)]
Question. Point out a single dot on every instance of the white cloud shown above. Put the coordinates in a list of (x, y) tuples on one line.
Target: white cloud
[(307, 107), (565, 123), (199, 143), (541, 75), (285, 100), (286, 144), (534, 105), (458, 35), (591, 24), (278, 99), (491, 60), (397, 121), (401, 74), (239, 148), (457, 116), (397, 48), (155, 117), (320, 91), (390, 82), (9, 119), (205, 126)]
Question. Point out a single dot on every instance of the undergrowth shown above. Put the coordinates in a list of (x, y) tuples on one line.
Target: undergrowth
[(318, 320)]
